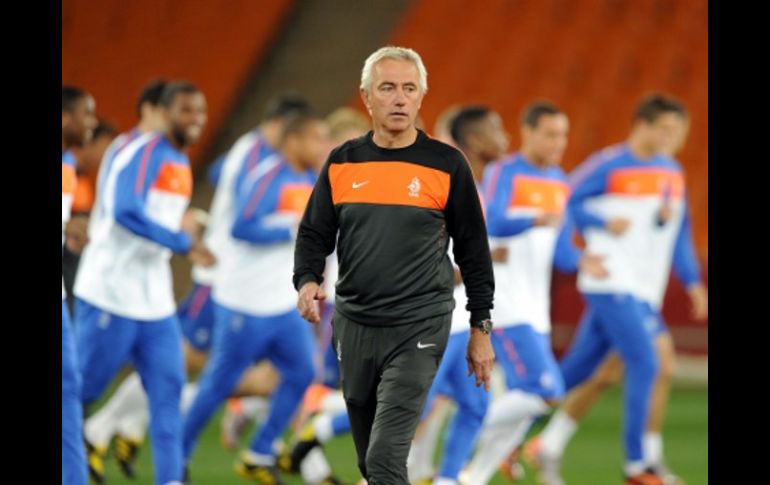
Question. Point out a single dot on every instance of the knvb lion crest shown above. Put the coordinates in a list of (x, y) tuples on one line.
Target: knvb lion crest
[(414, 187)]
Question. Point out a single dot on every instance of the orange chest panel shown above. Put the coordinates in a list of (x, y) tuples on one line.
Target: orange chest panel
[(548, 195), (68, 179), (646, 182), (294, 197), (174, 178), (389, 183)]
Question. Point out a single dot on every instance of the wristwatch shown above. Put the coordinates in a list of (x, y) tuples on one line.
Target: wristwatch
[(484, 325)]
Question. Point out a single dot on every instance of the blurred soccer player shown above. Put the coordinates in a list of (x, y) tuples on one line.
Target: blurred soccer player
[(628, 201), (526, 196), (118, 417), (547, 449), (125, 308), (249, 329), (126, 414), (477, 131), (331, 418), (78, 121), (87, 161)]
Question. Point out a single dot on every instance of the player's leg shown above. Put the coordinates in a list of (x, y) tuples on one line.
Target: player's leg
[(563, 424), (234, 347), (536, 383), (623, 321), (653, 438), (73, 458), (103, 344), (290, 349), (158, 359)]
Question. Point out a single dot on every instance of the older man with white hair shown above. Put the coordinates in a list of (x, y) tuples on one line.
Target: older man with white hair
[(395, 197)]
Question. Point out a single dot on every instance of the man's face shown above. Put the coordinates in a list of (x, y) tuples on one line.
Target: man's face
[(493, 137), (665, 134), (78, 125), (310, 146), (548, 139), (394, 96), (680, 139), (186, 117)]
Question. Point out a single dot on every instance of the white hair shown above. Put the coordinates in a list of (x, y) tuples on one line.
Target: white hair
[(393, 52)]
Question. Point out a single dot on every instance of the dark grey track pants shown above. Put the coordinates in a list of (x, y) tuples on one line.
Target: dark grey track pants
[(386, 374)]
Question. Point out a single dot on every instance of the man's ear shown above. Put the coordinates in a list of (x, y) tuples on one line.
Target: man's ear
[(365, 99)]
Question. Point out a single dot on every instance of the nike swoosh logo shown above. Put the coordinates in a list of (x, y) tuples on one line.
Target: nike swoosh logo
[(361, 184), (420, 345)]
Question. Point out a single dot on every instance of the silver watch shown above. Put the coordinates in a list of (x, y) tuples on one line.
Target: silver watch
[(484, 325)]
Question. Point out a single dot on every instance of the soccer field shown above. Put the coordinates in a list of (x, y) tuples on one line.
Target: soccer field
[(594, 456)]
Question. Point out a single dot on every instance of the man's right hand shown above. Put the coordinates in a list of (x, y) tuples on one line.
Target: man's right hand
[(76, 234), (593, 265), (201, 255), (500, 254), (308, 295), (618, 225), (699, 299)]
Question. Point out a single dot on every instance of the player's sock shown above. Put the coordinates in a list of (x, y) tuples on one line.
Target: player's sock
[(653, 448), (514, 406), (322, 428), (636, 467), (255, 407), (444, 481), (189, 391), (557, 433), (133, 413), (495, 443), (100, 427), (315, 468)]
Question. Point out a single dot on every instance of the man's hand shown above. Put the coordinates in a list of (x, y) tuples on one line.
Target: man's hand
[(618, 226), (480, 357), (201, 255), (308, 295), (500, 254), (76, 234), (552, 220), (593, 265), (194, 222), (699, 299)]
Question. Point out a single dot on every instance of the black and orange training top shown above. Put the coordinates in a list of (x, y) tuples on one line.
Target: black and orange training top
[(395, 210)]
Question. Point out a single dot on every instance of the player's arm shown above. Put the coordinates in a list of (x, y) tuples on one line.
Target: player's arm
[(498, 187), (566, 255), (132, 187), (255, 203), (568, 258), (586, 182), (687, 269)]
